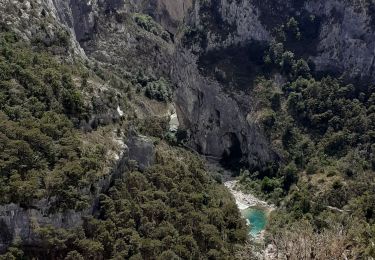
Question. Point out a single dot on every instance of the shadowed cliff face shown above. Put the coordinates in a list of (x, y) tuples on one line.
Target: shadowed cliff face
[(334, 31), (217, 122), (235, 67), (337, 34)]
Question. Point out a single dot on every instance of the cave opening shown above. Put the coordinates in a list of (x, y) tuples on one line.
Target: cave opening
[(233, 155)]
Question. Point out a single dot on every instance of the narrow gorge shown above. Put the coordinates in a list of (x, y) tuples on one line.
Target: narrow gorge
[(154, 129)]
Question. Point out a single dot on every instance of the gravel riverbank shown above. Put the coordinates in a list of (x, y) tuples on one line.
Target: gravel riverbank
[(244, 200)]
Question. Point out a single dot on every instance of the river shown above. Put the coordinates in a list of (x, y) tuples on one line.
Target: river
[(254, 210)]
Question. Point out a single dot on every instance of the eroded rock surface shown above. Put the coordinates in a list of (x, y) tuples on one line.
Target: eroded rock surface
[(343, 43), (141, 150)]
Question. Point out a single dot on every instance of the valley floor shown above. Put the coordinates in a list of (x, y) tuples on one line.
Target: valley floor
[(245, 200)]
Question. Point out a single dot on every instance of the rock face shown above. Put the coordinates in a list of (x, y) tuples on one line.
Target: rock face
[(141, 150), (77, 15), (217, 124), (19, 223), (169, 13), (346, 40), (228, 23), (345, 30)]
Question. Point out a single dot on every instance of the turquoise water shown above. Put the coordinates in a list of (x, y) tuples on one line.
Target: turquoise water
[(257, 218)]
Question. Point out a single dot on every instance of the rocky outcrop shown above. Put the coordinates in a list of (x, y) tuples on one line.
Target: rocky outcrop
[(19, 224), (141, 150), (79, 16), (228, 23)]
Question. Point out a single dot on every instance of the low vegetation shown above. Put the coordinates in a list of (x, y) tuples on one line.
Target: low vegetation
[(147, 23)]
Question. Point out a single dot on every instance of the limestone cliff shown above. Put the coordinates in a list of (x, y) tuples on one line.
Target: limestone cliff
[(343, 41)]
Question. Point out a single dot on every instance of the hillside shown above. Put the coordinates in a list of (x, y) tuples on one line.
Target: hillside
[(113, 113)]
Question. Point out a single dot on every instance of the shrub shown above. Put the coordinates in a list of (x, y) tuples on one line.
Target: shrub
[(268, 119), (159, 90), (147, 23), (269, 185), (301, 68), (290, 175)]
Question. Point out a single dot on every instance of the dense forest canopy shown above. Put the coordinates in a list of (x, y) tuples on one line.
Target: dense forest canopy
[(41, 154)]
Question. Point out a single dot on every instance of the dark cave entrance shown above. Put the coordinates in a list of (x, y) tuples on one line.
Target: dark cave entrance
[(232, 155)]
